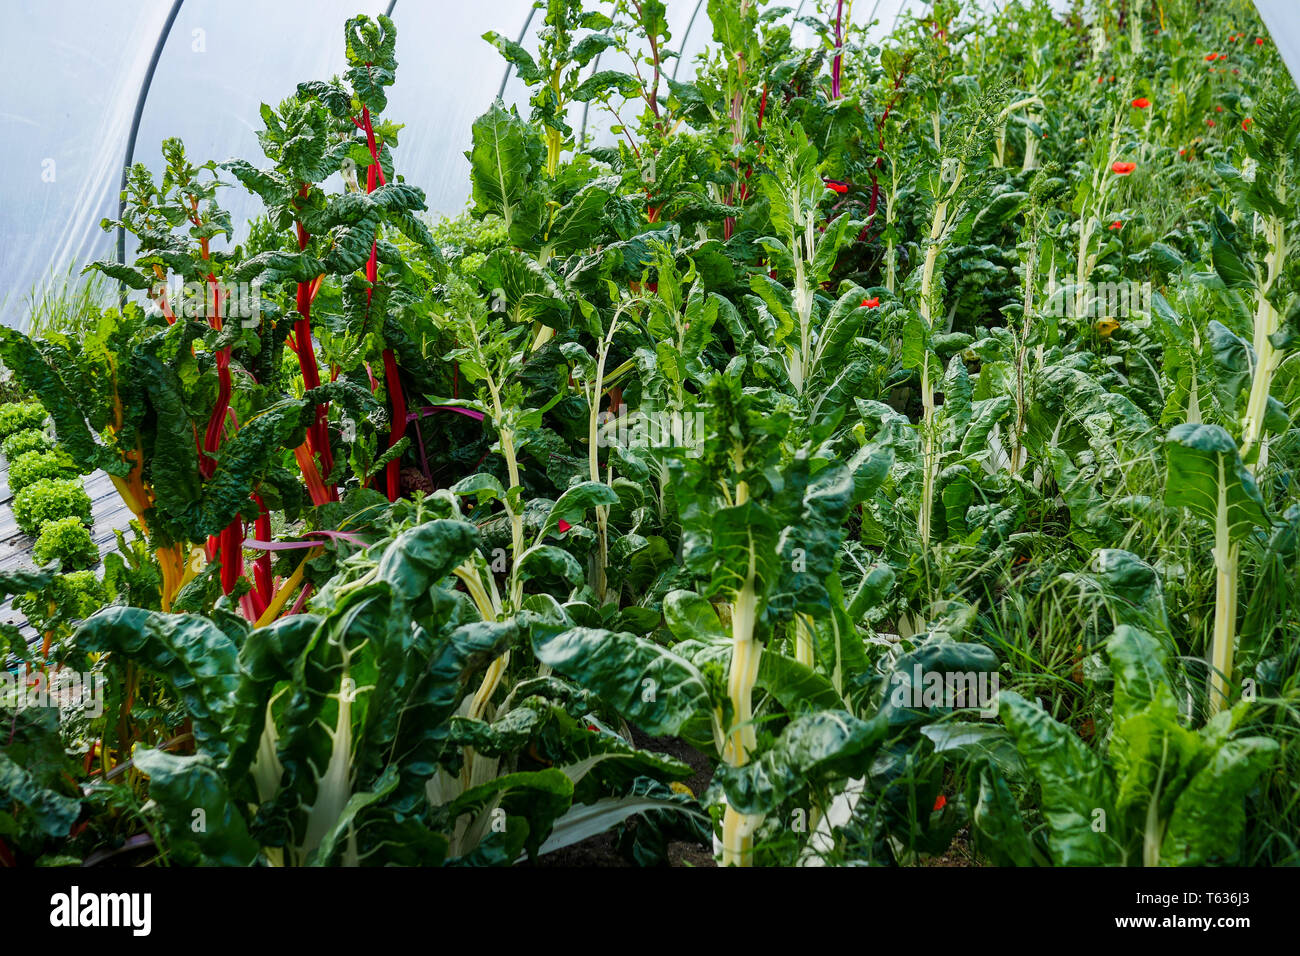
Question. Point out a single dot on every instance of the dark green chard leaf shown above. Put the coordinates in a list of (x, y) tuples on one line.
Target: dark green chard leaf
[(1078, 794), (814, 749), (661, 692), (203, 826)]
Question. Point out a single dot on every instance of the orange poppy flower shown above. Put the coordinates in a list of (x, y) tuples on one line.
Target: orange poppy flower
[(1141, 103), (1122, 169), (1211, 57)]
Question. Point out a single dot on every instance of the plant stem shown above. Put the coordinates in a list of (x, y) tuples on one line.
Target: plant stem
[(738, 828), (938, 226), (1227, 554)]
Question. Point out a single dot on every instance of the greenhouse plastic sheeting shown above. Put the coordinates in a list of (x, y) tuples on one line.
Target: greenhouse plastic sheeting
[(1282, 17), (76, 70)]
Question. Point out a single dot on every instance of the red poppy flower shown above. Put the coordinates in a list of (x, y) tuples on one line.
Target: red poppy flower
[(834, 185), (1112, 79), (1101, 79), (1122, 169), (1218, 109), (871, 303), (1141, 103), (1209, 122), (1259, 41), (940, 802), (1211, 57), (564, 526), (1182, 152), (1245, 124), (1116, 225)]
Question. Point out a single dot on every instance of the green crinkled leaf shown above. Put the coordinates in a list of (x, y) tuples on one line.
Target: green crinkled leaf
[(1206, 476), (52, 813), (1074, 784), (976, 742), (576, 501), (580, 221), (797, 687), (198, 659), (813, 749), (202, 825), (545, 560), (691, 617), (661, 692), (1210, 815), (538, 799), (131, 278), (504, 158), (37, 376), (997, 824)]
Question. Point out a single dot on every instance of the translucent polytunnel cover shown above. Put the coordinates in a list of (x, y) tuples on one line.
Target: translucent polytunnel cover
[(77, 71)]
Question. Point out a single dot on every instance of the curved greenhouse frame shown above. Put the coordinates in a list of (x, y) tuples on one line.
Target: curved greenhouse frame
[(649, 432)]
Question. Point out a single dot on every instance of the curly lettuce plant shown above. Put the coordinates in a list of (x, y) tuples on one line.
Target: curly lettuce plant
[(48, 499), (20, 416), (67, 543), (20, 442), (33, 466)]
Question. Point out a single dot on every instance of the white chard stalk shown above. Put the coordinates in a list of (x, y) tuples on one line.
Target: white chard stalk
[(938, 227), (738, 828), (1227, 554)]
